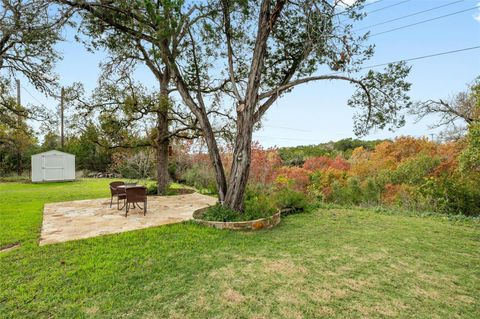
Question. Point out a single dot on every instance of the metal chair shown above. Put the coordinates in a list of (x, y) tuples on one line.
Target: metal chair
[(135, 195), (116, 192)]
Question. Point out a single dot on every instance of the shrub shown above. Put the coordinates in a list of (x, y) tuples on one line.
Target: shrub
[(259, 206), (372, 188), (347, 194), (470, 157), (140, 165), (451, 194), (220, 213), (152, 188), (289, 198), (202, 178), (323, 162), (295, 177), (413, 171), (264, 164), (254, 208)]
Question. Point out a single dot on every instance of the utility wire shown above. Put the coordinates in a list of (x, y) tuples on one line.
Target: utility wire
[(287, 128), (364, 6), (33, 97), (383, 64), (409, 15), (374, 2), (379, 9), (284, 138), (415, 58), (387, 7), (424, 21)]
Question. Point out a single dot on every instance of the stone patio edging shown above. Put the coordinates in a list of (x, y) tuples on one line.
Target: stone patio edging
[(257, 224)]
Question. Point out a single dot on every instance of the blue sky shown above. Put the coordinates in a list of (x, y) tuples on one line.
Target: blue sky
[(317, 112)]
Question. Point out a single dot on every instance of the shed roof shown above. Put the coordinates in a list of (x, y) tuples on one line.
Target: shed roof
[(52, 152)]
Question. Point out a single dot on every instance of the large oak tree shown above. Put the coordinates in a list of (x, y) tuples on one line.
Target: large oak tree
[(250, 53)]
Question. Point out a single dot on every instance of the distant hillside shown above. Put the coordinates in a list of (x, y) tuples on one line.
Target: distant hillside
[(298, 154)]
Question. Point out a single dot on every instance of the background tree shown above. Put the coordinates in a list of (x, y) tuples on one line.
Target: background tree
[(254, 53), (132, 105), (455, 114), (29, 30), (16, 138)]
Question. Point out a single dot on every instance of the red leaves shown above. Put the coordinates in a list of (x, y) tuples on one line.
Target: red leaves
[(324, 162)]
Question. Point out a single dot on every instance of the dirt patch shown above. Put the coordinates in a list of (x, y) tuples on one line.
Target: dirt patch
[(284, 266), (92, 310), (356, 284), (327, 294), (431, 294), (9, 247), (233, 296)]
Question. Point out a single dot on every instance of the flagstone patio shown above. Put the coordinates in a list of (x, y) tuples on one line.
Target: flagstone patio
[(93, 217)]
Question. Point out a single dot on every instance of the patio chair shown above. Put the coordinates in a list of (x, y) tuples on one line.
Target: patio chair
[(135, 195), (116, 192)]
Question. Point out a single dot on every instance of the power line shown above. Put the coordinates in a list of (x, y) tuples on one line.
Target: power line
[(284, 138), (364, 6), (387, 7), (424, 21), (374, 2), (379, 9), (287, 128), (415, 58), (409, 15), (33, 97)]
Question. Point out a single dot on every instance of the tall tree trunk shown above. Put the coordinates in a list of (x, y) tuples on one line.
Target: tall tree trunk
[(202, 117), (19, 164), (240, 170), (242, 154), (214, 153), (163, 141)]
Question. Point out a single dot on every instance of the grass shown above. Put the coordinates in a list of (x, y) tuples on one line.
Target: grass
[(334, 263)]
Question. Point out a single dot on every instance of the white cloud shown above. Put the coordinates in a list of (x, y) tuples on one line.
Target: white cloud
[(347, 3), (477, 15)]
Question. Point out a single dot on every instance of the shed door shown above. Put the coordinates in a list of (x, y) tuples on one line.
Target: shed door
[(53, 169)]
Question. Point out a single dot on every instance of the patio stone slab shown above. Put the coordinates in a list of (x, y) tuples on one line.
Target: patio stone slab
[(82, 219)]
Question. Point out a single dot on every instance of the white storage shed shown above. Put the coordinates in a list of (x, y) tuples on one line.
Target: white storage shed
[(53, 166)]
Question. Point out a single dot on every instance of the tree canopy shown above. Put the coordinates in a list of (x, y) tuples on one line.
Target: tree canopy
[(246, 54)]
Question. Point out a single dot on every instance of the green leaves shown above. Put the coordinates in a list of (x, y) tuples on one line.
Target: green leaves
[(470, 157), (380, 99)]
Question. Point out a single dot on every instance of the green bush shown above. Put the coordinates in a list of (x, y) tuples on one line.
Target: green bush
[(350, 194), (414, 171), (202, 178), (259, 206), (152, 188), (220, 213), (254, 208), (372, 190), (289, 198), (451, 194), (470, 157)]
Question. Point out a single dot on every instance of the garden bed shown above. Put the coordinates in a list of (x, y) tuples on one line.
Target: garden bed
[(262, 223)]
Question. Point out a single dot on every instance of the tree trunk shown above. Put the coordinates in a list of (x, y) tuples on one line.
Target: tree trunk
[(214, 153), (241, 160), (205, 125), (19, 164), (161, 154), (163, 141)]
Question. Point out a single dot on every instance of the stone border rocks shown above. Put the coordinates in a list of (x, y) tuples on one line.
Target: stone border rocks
[(257, 224)]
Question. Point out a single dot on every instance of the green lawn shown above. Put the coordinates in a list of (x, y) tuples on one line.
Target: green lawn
[(332, 263)]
